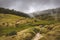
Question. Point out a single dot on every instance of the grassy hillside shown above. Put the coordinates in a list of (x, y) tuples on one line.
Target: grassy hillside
[(16, 27), (48, 32), (9, 22)]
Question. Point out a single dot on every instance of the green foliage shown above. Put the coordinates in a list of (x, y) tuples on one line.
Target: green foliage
[(1, 31), (43, 30), (7, 11), (11, 33), (36, 30), (10, 24)]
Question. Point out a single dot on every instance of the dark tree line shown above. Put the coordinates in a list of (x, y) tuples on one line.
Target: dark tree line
[(8, 11)]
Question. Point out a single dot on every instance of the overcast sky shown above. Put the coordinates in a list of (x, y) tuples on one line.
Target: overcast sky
[(29, 6)]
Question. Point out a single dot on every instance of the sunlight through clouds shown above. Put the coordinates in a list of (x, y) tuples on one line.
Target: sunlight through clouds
[(29, 6)]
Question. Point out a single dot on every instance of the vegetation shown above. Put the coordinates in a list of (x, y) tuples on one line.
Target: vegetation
[(14, 12), (16, 25), (51, 14)]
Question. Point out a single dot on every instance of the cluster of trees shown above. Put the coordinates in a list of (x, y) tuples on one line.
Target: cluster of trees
[(8, 11)]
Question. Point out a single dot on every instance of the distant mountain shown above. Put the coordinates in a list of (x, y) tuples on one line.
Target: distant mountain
[(8, 11), (46, 14)]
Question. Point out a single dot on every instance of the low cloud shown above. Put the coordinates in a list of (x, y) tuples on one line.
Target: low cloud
[(29, 6)]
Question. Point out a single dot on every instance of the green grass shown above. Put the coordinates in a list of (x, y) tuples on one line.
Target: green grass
[(30, 23), (6, 30)]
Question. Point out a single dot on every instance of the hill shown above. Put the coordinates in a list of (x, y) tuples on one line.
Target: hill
[(50, 14), (14, 12), (16, 26)]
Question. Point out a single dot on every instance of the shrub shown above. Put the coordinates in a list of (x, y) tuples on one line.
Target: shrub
[(57, 38), (11, 33)]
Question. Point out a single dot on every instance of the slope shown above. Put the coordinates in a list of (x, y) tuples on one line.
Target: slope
[(50, 14)]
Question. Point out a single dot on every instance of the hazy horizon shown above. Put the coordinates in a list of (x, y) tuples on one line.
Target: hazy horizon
[(29, 6)]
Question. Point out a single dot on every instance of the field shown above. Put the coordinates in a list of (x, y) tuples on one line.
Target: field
[(16, 25)]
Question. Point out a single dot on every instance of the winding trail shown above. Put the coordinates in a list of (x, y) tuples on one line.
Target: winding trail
[(37, 36)]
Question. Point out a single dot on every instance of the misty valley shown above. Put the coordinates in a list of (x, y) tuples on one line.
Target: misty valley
[(40, 25)]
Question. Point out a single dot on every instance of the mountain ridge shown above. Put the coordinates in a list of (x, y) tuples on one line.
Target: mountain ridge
[(14, 12), (53, 14), (45, 11)]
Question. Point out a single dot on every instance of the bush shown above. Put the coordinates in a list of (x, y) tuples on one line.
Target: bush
[(11, 33), (43, 30), (36, 30), (57, 38), (1, 31)]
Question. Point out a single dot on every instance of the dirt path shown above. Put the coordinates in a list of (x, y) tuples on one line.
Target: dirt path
[(37, 36)]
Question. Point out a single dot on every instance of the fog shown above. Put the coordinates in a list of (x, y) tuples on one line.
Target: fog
[(29, 6)]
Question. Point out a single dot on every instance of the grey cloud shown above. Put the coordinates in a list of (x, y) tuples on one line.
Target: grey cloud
[(29, 5)]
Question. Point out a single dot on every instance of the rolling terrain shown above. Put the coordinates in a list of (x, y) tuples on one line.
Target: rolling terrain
[(50, 14), (16, 25)]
